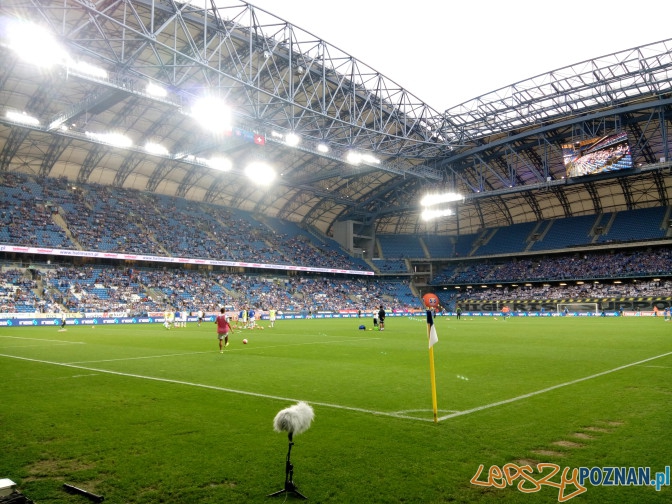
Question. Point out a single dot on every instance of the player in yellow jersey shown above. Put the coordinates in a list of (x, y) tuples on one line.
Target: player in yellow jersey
[(271, 317)]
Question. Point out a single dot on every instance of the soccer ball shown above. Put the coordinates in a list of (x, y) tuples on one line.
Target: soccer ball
[(245, 342)]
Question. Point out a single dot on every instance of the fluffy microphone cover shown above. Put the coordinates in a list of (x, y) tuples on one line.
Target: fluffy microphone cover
[(295, 419)]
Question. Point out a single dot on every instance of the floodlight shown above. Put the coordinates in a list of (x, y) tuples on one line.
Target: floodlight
[(435, 214), (87, 69), (368, 158), (35, 44), (357, 158), (323, 148), (22, 117), (155, 148), (156, 90), (260, 172), (353, 158), (115, 139), (212, 114), (436, 199), (292, 139), (220, 164)]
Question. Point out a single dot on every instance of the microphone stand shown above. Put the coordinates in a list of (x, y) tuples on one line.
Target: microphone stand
[(290, 487)]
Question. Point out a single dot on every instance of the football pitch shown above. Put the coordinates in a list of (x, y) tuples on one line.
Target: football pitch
[(141, 414)]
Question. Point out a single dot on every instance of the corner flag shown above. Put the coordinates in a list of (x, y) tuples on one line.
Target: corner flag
[(433, 338)]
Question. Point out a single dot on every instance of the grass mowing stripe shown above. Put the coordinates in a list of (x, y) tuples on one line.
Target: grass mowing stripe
[(554, 387), (221, 389), (209, 351)]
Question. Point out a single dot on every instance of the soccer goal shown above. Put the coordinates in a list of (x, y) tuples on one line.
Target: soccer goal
[(578, 308)]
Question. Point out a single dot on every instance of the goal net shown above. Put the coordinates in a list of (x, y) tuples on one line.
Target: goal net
[(571, 308)]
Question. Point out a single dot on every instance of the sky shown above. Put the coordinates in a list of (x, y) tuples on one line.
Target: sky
[(447, 52)]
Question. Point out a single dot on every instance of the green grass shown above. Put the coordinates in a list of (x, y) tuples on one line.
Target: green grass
[(144, 415)]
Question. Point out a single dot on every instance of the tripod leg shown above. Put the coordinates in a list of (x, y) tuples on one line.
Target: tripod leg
[(290, 487), (275, 494)]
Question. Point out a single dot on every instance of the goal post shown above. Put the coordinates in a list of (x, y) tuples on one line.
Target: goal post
[(592, 308)]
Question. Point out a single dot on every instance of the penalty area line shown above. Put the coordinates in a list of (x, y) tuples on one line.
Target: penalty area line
[(548, 389), (221, 389)]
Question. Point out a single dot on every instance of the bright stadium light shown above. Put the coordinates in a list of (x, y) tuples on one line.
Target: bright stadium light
[(115, 139), (156, 90), (212, 114), (368, 158), (220, 164), (356, 158), (35, 44), (155, 148), (260, 173), (292, 139), (437, 199), (435, 214), (353, 158), (323, 148), (84, 68), (22, 118)]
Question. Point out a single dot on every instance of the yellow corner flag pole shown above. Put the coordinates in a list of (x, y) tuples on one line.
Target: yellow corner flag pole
[(432, 338)]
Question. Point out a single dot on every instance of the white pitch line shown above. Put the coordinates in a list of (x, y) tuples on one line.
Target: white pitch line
[(49, 340), (137, 358), (213, 387), (34, 346), (338, 406), (405, 412), (548, 389)]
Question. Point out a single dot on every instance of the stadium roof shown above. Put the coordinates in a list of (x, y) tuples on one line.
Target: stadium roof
[(502, 151)]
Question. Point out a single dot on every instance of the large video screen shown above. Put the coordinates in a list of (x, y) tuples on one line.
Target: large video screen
[(597, 155)]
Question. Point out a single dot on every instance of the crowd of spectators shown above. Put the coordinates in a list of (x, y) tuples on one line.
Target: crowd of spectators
[(600, 160), (50, 288), (96, 217), (136, 291), (584, 266), (590, 290), (19, 292), (26, 215), (104, 218)]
